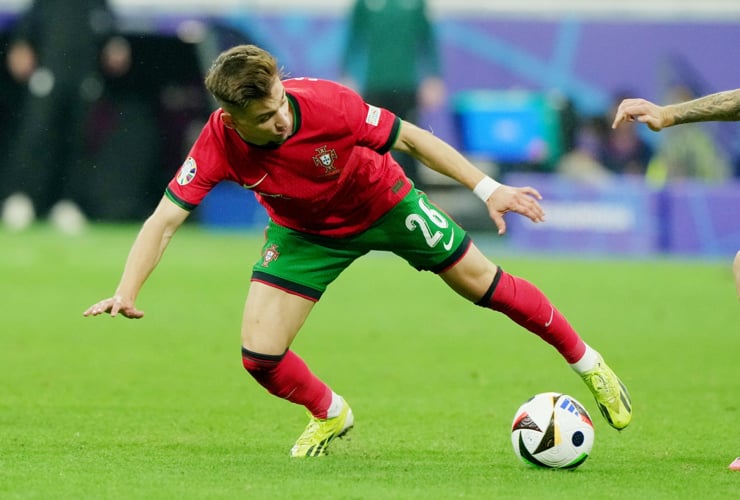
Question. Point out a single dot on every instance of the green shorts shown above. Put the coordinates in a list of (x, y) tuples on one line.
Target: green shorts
[(415, 229)]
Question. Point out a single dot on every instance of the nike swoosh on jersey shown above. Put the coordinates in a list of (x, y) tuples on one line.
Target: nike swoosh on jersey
[(251, 186), (448, 245), (552, 314)]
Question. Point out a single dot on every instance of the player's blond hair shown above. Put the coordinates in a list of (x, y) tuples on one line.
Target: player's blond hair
[(240, 75)]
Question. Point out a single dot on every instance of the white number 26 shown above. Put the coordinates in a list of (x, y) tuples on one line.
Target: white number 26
[(432, 237)]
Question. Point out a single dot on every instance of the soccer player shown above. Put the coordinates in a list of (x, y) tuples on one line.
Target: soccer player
[(720, 106), (317, 158)]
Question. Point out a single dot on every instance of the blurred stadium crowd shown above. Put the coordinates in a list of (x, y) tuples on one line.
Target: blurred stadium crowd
[(127, 111)]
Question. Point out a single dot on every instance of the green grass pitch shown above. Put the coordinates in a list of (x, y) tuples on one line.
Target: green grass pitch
[(160, 408)]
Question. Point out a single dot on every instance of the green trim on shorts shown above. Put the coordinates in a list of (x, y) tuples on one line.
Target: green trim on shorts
[(415, 229)]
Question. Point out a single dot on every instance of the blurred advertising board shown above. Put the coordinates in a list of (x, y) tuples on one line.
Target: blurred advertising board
[(627, 216), (702, 219), (619, 217)]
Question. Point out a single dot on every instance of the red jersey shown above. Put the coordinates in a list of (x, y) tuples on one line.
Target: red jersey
[(334, 176)]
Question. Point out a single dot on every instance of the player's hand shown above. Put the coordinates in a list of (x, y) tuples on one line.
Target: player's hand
[(522, 200), (654, 116), (114, 305)]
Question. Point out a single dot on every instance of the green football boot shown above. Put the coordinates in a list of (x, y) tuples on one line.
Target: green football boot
[(610, 393), (320, 432)]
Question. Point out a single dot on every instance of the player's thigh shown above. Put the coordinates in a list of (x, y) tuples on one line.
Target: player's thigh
[(422, 234), (287, 280), (272, 318)]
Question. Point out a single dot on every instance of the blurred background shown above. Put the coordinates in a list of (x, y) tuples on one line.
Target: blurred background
[(526, 89)]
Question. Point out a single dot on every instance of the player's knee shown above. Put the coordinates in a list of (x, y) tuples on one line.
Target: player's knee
[(255, 362), (487, 299), (269, 371)]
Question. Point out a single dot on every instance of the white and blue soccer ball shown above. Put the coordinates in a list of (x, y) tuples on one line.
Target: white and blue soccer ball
[(552, 430)]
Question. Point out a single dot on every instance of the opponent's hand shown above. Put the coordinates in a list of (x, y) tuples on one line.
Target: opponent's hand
[(113, 306), (522, 200), (643, 111)]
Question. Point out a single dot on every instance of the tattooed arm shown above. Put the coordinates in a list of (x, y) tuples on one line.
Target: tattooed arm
[(722, 106)]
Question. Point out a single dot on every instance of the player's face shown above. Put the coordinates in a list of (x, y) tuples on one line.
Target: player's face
[(266, 121)]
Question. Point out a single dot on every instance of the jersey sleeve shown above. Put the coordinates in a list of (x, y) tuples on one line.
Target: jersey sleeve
[(373, 127), (201, 171)]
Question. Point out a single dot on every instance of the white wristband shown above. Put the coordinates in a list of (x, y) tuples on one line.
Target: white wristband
[(485, 188)]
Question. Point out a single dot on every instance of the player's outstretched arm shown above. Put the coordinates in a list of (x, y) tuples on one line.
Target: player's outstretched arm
[(144, 256), (443, 158), (721, 106)]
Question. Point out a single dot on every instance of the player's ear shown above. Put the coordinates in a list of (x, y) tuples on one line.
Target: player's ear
[(227, 119)]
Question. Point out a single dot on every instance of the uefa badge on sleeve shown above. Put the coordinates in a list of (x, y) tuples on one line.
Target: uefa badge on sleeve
[(187, 171)]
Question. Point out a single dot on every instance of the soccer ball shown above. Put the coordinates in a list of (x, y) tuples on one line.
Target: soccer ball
[(552, 430)]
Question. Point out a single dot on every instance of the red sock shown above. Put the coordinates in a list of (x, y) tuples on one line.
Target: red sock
[(288, 377), (524, 303)]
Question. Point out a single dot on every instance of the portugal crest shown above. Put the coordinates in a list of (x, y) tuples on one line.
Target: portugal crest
[(269, 255), (325, 158)]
